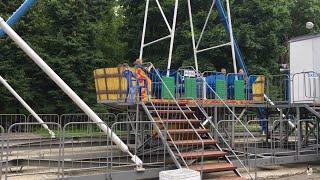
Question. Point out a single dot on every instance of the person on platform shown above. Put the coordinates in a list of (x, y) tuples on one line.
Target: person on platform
[(223, 71), (138, 63), (222, 74)]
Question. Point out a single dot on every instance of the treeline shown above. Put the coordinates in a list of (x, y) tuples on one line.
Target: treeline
[(76, 37)]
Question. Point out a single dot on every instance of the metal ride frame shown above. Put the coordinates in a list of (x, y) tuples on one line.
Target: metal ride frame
[(195, 44), (280, 107), (229, 130)]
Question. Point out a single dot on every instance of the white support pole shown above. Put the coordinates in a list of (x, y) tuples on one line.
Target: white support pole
[(163, 15), (25, 105), (144, 29), (214, 47), (156, 41), (231, 38), (173, 32), (193, 37), (66, 89), (205, 24)]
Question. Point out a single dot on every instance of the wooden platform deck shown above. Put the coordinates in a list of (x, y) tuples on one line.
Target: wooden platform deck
[(190, 102)]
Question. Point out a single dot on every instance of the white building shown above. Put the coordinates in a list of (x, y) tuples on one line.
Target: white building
[(305, 69)]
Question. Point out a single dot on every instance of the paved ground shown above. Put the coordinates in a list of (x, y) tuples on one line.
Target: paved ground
[(289, 172), (302, 177)]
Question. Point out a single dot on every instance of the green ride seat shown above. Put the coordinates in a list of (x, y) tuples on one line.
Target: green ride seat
[(239, 90), (221, 89), (169, 82), (190, 85)]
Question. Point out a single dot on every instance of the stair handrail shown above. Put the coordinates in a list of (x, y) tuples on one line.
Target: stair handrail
[(209, 119), (229, 109), (149, 66), (220, 99), (164, 128)]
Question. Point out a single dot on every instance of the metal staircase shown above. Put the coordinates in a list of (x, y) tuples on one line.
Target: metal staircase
[(188, 142), (313, 109)]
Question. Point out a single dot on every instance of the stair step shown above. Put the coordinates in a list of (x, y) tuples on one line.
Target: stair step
[(213, 167), (166, 107), (230, 178), (193, 142), (187, 131), (171, 111), (168, 103), (202, 153), (179, 121)]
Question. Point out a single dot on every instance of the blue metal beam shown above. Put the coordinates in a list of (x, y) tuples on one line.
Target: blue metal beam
[(224, 19), (16, 16)]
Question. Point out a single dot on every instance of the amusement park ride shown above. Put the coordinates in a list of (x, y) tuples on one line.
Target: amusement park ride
[(210, 122)]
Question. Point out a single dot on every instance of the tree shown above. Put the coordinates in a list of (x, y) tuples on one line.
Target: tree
[(74, 38)]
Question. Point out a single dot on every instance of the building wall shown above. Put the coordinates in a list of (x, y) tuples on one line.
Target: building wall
[(304, 60)]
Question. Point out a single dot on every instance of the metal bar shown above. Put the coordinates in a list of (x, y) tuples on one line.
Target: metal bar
[(205, 24), (174, 23), (75, 98), (158, 40), (299, 132), (164, 140), (16, 16), (216, 122), (164, 16), (231, 38), (281, 128), (214, 47), (144, 29), (242, 112), (25, 105), (193, 36), (233, 128), (310, 109)]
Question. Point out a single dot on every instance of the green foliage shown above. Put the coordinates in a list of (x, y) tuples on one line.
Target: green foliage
[(73, 37), (77, 36)]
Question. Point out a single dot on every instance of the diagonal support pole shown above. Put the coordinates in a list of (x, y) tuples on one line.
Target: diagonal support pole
[(25, 105), (67, 90)]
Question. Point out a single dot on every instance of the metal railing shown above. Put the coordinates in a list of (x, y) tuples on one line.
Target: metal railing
[(51, 118), (32, 152), (108, 118), (308, 137), (6, 120), (223, 141), (278, 88), (2, 159), (282, 138), (84, 148), (170, 132), (305, 87), (140, 137), (235, 120)]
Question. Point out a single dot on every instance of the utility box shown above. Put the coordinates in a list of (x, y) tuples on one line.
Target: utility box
[(305, 69), (180, 174)]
